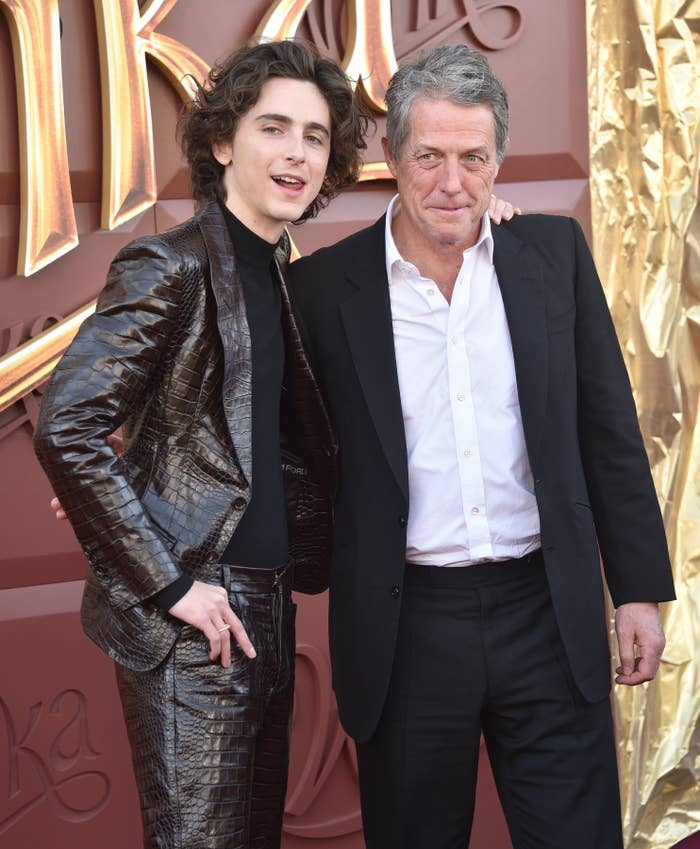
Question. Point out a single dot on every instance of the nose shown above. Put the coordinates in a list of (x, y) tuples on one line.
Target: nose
[(295, 148), (449, 177)]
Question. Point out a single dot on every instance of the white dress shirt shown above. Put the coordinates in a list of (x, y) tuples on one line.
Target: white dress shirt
[(471, 487)]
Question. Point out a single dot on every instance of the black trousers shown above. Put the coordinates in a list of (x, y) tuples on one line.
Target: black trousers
[(479, 651), (210, 746)]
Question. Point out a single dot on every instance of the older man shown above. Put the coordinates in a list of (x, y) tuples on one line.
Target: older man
[(487, 437)]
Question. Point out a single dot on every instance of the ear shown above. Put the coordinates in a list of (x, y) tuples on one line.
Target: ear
[(223, 152), (388, 157)]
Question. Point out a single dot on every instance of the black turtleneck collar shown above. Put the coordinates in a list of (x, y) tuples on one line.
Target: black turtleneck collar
[(249, 248)]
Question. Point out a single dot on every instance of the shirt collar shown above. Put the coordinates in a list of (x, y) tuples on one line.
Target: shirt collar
[(392, 252)]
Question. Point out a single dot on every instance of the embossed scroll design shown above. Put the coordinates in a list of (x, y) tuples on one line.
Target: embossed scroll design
[(126, 37), (33, 773), (323, 751), (371, 45)]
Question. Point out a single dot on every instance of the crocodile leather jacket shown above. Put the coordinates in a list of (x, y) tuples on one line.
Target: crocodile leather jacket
[(167, 356)]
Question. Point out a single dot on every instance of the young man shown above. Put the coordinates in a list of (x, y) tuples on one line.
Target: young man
[(194, 534)]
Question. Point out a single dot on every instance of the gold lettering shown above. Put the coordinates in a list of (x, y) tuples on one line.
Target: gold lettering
[(28, 366), (281, 20), (369, 61), (47, 221), (125, 35)]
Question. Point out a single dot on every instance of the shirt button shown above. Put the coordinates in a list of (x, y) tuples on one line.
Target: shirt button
[(475, 511), (467, 453), (430, 292), (455, 340), (460, 397), (395, 592)]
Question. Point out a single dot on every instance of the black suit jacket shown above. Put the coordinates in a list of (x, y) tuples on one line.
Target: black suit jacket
[(592, 478)]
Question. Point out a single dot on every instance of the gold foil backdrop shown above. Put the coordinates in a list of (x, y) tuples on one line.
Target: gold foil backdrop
[(644, 97)]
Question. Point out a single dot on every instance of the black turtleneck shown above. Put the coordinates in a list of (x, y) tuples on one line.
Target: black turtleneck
[(260, 539)]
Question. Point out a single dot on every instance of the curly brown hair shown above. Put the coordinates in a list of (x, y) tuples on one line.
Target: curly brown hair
[(234, 86)]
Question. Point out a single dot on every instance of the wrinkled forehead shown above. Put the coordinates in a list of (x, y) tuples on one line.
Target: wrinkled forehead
[(436, 117)]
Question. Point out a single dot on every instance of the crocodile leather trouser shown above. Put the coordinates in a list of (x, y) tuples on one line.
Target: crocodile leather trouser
[(210, 745)]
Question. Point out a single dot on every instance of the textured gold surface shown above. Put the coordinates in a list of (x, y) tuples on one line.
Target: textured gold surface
[(125, 36), (644, 97), (47, 225), (369, 57), (25, 368), (29, 365)]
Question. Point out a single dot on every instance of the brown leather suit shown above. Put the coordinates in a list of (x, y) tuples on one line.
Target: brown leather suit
[(167, 356)]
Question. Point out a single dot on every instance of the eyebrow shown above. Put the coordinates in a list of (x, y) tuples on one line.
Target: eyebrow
[(429, 148), (285, 119)]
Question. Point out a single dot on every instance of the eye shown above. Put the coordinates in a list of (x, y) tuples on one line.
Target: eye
[(271, 129), (314, 139)]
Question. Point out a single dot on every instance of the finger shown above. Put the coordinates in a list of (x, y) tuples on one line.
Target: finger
[(56, 505), (239, 634), (633, 678), (506, 211), (214, 638), (494, 210), (116, 442), (648, 664), (225, 642), (625, 642)]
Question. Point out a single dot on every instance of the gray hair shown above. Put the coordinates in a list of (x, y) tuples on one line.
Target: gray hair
[(453, 72)]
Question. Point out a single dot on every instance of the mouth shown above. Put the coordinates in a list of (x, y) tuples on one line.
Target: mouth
[(449, 210), (289, 183)]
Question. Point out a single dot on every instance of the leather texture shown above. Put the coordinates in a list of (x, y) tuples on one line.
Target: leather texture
[(210, 745), (167, 356)]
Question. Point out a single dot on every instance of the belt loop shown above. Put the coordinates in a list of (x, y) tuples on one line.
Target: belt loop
[(226, 577), (280, 574)]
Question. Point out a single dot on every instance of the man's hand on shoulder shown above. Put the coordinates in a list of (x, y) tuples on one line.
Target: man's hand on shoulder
[(501, 210), (638, 624)]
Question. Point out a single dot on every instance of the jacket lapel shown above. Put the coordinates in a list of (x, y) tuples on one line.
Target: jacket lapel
[(235, 334), (366, 317), (520, 279)]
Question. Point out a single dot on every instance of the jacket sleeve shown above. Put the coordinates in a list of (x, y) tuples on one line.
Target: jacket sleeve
[(621, 490), (101, 379)]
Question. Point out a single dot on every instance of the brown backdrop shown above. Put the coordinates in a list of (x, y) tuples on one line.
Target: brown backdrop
[(65, 777)]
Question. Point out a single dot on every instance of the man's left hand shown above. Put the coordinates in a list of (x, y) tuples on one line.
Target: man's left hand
[(638, 624)]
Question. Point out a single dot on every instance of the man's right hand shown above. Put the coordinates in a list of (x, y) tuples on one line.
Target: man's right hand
[(206, 607)]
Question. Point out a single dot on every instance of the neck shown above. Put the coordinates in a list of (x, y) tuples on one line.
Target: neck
[(268, 231), (434, 260)]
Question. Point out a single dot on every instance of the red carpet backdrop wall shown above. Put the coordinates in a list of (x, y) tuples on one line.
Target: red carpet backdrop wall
[(89, 97)]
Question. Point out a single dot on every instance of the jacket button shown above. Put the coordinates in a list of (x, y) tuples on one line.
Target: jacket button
[(239, 503), (395, 592), (211, 557), (403, 521)]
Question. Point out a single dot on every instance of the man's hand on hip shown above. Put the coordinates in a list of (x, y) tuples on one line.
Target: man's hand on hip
[(207, 608), (638, 624)]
